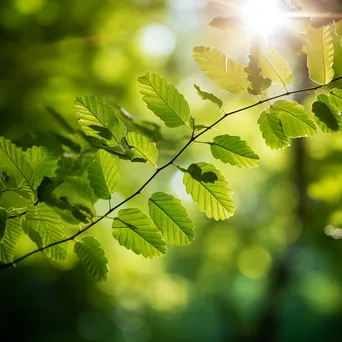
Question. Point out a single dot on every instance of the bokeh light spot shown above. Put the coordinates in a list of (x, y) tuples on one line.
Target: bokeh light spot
[(254, 262), (157, 40)]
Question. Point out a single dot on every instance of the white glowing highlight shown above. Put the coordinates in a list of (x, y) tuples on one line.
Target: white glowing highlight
[(262, 17)]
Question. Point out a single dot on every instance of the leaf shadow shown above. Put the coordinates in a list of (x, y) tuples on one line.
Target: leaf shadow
[(198, 174)]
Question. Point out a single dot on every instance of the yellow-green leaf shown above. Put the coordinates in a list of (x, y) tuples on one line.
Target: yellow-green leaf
[(222, 71), (319, 48)]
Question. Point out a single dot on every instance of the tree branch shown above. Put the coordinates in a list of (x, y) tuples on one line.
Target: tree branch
[(192, 139)]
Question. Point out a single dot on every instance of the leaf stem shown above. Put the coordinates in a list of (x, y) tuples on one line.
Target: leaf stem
[(192, 139)]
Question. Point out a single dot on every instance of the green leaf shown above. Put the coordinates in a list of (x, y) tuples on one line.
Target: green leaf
[(209, 189), (335, 98), (338, 28), (143, 147), (319, 48), (164, 100), (136, 231), (208, 96), (3, 220), (98, 119), (258, 83), (272, 131), (274, 67), (171, 218), (295, 121), (103, 174), (326, 115), (45, 227), (14, 163), (92, 257), (222, 71), (233, 150), (42, 161), (9, 239)]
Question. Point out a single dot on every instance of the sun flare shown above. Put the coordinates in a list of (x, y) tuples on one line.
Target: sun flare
[(262, 17)]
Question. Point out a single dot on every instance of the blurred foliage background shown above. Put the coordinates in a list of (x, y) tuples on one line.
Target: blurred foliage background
[(270, 273)]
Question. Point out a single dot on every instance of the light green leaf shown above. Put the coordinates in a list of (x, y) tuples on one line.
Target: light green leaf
[(14, 163), (3, 220), (171, 218), (295, 121), (233, 150), (224, 72), (164, 100), (98, 119), (274, 66), (103, 174), (326, 115), (208, 96), (272, 131), (143, 147), (320, 50), (45, 227), (42, 161), (338, 28), (92, 257), (136, 231), (9, 240), (335, 98), (209, 189)]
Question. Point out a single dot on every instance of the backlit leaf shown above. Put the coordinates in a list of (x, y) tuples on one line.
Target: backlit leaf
[(9, 239), (98, 119), (164, 100), (224, 72), (319, 48), (137, 232), (92, 257), (42, 161), (45, 227), (272, 131), (326, 115), (103, 174), (335, 98), (143, 147), (171, 218), (233, 150), (294, 119), (209, 189), (208, 96)]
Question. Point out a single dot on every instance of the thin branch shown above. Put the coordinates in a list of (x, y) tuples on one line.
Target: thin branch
[(192, 139)]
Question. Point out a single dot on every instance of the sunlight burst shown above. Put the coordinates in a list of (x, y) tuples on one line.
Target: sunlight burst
[(262, 17)]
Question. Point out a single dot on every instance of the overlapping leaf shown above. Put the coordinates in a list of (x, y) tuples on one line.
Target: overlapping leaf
[(233, 150), (294, 119), (98, 119), (319, 48), (3, 220), (137, 232), (14, 163), (92, 257), (335, 98), (326, 115), (45, 227), (224, 72), (258, 83), (9, 239), (274, 66), (143, 147), (208, 96), (103, 174), (42, 161), (164, 100), (209, 189), (272, 130), (171, 218)]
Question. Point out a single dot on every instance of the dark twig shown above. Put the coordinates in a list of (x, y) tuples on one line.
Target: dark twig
[(192, 139)]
